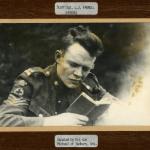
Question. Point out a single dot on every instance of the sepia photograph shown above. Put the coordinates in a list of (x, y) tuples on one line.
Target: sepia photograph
[(74, 74)]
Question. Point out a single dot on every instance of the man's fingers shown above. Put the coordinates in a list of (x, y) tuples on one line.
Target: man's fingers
[(85, 119), (81, 117), (80, 122)]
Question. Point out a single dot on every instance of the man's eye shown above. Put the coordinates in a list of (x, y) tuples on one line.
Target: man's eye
[(86, 69), (73, 64)]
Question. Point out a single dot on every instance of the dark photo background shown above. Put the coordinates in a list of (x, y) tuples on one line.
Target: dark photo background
[(27, 45)]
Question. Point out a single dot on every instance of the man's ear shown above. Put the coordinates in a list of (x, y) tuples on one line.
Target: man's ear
[(58, 55)]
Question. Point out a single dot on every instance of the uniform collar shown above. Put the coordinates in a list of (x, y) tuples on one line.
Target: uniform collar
[(61, 91), (51, 72)]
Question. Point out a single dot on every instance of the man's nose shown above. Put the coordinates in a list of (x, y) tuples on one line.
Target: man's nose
[(78, 72)]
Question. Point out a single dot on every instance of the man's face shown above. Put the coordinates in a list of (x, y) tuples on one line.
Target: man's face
[(74, 65)]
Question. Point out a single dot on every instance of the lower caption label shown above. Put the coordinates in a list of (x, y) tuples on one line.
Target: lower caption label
[(76, 141)]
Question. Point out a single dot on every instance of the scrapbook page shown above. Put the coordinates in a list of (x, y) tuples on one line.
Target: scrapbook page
[(73, 77)]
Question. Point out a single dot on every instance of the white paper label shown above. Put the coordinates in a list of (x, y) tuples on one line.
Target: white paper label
[(76, 141), (76, 8)]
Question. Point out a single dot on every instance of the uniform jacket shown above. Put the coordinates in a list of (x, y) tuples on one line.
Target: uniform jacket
[(38, 93)]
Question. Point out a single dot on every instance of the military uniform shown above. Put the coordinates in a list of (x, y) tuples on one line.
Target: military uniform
[(38, 93)]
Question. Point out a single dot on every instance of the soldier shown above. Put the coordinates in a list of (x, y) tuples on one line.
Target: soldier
[(40, 97)]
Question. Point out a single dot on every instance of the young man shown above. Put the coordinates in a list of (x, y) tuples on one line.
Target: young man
[(40, 97)]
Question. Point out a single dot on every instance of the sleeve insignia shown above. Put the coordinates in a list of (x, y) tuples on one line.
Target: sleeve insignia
[(18, 91), (22, 82)]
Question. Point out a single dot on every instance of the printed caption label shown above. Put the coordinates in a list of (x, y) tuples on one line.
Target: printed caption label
[(76, 8), (76, 141)]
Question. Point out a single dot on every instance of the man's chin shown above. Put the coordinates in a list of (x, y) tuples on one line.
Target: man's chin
[(72, 86)]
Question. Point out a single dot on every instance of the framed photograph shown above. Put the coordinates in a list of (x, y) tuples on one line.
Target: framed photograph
[(74, 77)]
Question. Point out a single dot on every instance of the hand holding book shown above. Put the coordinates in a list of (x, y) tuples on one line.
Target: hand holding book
[(87, 106)]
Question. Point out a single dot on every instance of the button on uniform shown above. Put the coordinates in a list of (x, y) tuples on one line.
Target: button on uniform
[(56, 83), (47, 73), (59, 101)]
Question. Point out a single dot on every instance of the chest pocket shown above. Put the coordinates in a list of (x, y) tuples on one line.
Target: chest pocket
[(43, 96), (43, 101), (37, 110)]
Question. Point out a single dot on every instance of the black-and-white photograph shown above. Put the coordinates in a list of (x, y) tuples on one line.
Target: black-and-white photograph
[(74, 74)]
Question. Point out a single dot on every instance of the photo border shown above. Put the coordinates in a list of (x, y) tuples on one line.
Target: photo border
[(77, 128)]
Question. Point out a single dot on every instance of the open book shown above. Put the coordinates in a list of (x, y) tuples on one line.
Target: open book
[(87, 106)]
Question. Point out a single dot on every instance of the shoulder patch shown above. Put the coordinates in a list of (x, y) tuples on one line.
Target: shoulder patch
[(29, 71), (47, 71)]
